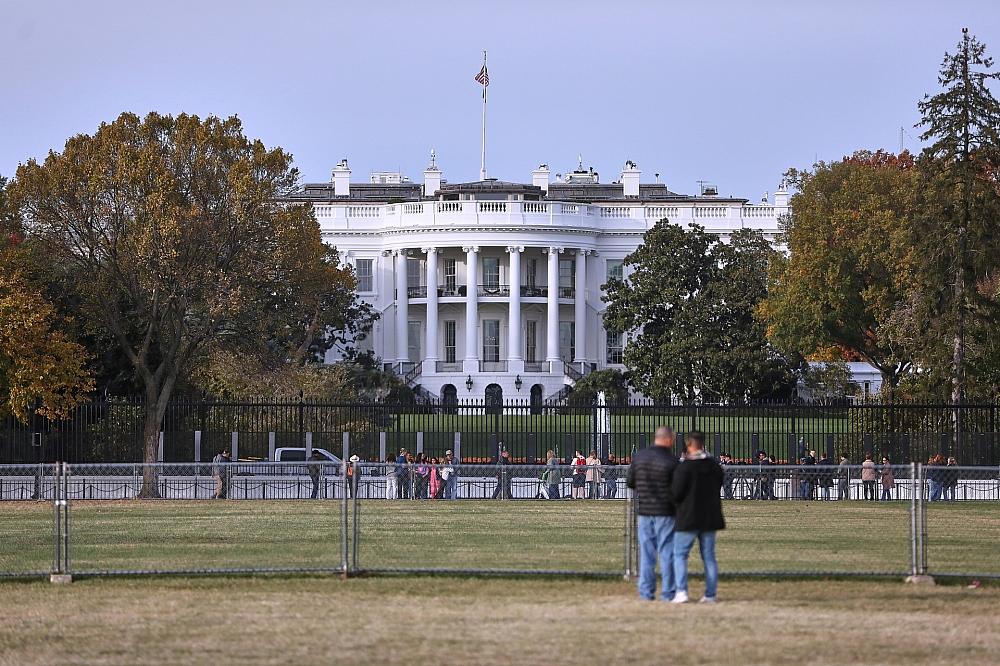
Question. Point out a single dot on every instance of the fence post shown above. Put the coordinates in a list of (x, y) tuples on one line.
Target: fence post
[(271, 439), (309, 445), (343, 520), (235, 444), (420, 442), (381, 446), (159, 448), (457, 452), (345, 446), (355, 484), (197, 446), (913, 520), (60, 565)]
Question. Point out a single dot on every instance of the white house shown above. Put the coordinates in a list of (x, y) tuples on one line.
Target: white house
[(493, 289)]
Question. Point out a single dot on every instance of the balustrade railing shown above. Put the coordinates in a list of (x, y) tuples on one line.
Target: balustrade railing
[(494, 290), (492, 366), (492, 206)]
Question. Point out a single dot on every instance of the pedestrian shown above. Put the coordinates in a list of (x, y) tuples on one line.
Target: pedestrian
[(436, 487), (579, 476), (411, 476), (844, 478), (391, 479), (949, 479), (868, 478), (553, 474), (887, 479), (315, 472), (423, 476), (593, 476), (824, 475), (935, 478), (402, 476), (695, 489), (451, 480), (503, 490), (649, 476), (726, 461), (352, 476), (448, 476), (765, 477), (609, 467), (807, 475), (220, 474)]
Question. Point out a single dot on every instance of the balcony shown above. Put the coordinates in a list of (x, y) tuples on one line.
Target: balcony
[(494, 290), (416, 292), (534, 291), (567, 292), (493, 366)]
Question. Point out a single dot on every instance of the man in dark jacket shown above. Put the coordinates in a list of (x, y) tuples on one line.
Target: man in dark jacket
[(695, 489), (649, 477)]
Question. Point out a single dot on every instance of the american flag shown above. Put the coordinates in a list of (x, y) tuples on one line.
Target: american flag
[(483, 77)]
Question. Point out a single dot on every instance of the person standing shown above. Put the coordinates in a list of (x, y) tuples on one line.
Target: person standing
[(935, 476), (727, 481), (609, 466), (315, 472), (220, 474), (887, 479), (451, 481), (844, 478), (824, 475), (402, 476), (391, 480), (593, 476), (949, 479), (436, 485), (503, 490), (807, 480), (423, 476), (649, 476), (765, 481), (696, 485), (579, 476), (553, 474), (868, 477)]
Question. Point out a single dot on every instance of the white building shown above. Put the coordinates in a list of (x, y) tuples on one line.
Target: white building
[(492, 288)]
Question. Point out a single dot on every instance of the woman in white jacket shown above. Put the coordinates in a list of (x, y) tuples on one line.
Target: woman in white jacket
[(390, 478)]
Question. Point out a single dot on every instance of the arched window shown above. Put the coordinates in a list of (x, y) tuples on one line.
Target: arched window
[(494, 399), (449, 398), (537, 395)]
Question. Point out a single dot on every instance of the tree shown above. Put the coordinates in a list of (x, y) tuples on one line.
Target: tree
[(688, 304), (39, 363), (611, 381), (849, 264), (955, 231), (178, 244)]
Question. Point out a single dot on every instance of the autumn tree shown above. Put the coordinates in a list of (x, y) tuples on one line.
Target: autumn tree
[(848, 269), (687, 303), (955, 231), (178, 243)]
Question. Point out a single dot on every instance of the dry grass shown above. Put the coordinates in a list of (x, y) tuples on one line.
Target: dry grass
[(489, 621)]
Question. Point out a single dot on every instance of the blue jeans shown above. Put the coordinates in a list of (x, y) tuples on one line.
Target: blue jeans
[(610, 488), (451, 487), (806, 489), (656, 542), (936, 488), (683, 541)]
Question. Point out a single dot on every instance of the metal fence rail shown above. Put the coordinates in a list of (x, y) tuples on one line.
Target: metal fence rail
[(507, 519), (110, 430)]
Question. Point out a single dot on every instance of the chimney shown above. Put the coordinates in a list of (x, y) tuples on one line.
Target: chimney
[(781, 196), (540, 177), (342, 179), (630, 179), (432, 177)]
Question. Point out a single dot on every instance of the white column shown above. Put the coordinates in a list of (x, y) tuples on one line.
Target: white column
[(402, 308), (552, 322), (431, 353), (471, 308), (580, 307), (514, 317)]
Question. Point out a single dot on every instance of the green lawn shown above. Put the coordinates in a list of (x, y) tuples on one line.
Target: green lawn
[(457, 620), (800, 537)]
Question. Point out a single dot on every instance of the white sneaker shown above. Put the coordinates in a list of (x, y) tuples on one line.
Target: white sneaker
[(707, 600), (680, 598)]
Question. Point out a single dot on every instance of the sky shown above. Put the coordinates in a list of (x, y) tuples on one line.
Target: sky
[(733, 93)]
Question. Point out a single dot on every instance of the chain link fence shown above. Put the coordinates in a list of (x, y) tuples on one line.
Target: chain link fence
[(509, 519)]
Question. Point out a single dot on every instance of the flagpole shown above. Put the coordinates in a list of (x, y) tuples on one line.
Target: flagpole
[(482, 168)]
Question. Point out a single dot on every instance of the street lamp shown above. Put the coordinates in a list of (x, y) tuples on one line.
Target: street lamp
[(518, 383), (468, 383)]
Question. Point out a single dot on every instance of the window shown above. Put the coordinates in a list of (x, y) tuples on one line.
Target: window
[(366, 278), (615, 347), (567, 341), (450, 271), (491, 340), (531, 273), (491, 272), (615, 269), (531, 341), (413, 273), (567, 274), (449, 340), (413, 341)]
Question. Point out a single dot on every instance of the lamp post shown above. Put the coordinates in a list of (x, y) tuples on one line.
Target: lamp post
[(468, 383), (518, 383)]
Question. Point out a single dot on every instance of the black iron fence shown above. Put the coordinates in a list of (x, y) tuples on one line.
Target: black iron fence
[(193, 430)]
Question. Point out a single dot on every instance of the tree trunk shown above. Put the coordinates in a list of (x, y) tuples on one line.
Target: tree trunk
[(151, 446)]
